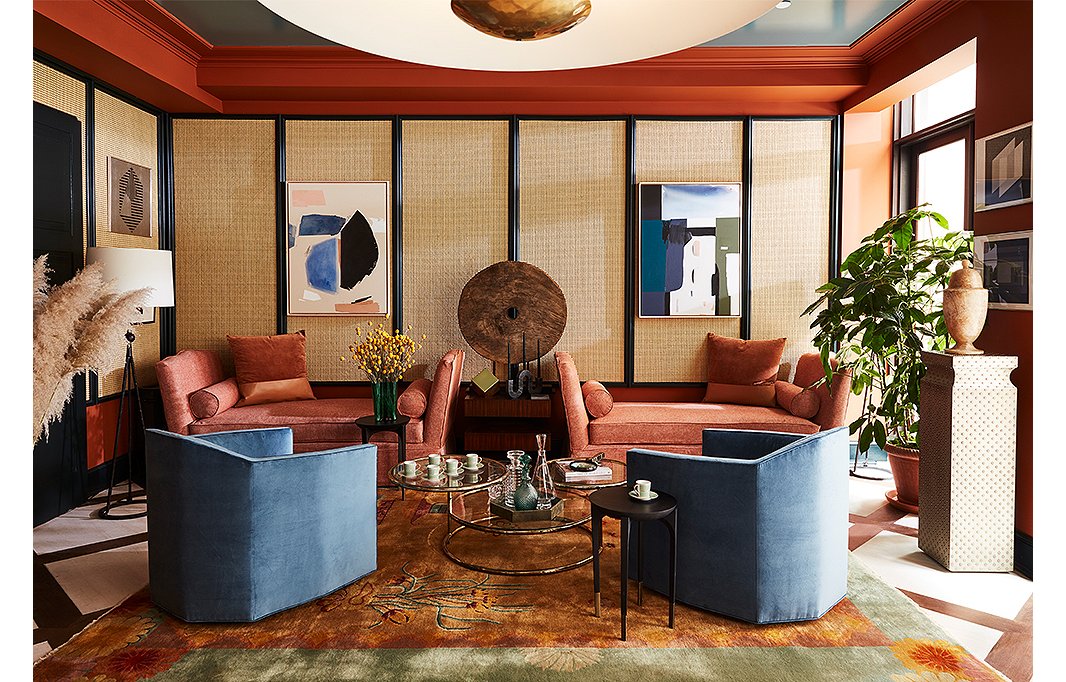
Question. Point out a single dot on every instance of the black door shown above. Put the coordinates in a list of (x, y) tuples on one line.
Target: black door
[(59, 462)]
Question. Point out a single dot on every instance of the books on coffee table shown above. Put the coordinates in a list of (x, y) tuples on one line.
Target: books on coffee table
[(569, 475)]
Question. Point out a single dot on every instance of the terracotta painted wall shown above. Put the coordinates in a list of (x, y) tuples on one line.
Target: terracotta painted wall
[(866, 195), (1004, 32)]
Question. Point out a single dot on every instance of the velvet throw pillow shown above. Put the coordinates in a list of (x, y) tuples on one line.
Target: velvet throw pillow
[(412, 402), (271, 369), (207, 402), (742, 372), (598, 400), (800, 402)]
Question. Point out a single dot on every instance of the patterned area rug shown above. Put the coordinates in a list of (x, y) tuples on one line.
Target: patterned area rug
[(422, 617)]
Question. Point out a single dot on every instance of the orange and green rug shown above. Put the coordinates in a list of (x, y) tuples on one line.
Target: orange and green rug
[(422, 617)]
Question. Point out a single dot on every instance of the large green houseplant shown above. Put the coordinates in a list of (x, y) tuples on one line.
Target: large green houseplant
[(878, 316)]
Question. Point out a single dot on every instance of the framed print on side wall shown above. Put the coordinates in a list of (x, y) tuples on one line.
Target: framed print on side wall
[(338, 248), (1005, 262), (690, 249), (1003, 169)]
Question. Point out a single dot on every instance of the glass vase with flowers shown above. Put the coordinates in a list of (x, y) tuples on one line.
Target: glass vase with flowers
[(384, 357)]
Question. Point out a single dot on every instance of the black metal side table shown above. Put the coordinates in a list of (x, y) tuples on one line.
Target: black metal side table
[(616, 503), (369, 426)]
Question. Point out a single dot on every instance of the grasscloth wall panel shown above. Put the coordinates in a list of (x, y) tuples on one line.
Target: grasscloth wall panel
[(682, 151), (454, 225), (336, 151), (572, 226), (123, 131), (790, 227), (225, 227)]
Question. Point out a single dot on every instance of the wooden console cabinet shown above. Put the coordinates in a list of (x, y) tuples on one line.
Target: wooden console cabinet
[(495, 424)]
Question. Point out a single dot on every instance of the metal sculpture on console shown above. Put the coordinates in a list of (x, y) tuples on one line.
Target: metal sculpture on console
[(508, 301)]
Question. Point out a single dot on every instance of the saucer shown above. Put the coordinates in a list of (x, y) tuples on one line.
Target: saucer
[(417, 472), (479, 467), (653, 496)]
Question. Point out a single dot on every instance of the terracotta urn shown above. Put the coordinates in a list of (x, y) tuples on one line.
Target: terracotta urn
[(904, 464), (965, 308)]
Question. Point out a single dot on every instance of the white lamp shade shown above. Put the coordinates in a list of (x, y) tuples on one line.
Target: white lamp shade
[(131, 269)]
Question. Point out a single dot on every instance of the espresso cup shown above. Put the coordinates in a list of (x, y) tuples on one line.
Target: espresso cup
[(432, 471), (472, 460), (408, 468), (643, 489), (434, 459), (451, 466)]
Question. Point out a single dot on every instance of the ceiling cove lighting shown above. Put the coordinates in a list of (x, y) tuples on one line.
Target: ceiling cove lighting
[(784, 4), (510, 35)]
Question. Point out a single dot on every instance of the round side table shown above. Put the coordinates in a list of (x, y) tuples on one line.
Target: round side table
[(368, 425), (616, 503)]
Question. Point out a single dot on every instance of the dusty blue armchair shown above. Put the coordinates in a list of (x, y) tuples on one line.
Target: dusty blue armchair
[(240, 528), (762, 529)]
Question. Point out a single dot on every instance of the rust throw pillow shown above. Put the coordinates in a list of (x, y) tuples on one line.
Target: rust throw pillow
[(412, 402), (207, 402), (598, 400), (271, 369), (742, 372), (801, 402)]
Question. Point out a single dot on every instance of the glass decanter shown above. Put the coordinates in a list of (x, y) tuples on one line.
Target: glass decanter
[(513, 477), (545, 486)]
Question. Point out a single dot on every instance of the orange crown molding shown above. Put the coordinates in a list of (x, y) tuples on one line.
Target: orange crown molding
[(334, 80)]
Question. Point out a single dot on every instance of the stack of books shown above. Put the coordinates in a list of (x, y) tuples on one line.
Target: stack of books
[(568, 475)]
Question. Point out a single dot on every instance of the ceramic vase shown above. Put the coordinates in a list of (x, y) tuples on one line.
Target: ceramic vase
[(965, 308), (384, 393)]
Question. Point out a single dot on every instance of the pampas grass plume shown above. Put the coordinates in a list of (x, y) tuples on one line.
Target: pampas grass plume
[(78, 326)]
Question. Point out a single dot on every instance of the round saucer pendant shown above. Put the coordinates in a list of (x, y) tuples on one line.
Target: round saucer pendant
[(522, 19)]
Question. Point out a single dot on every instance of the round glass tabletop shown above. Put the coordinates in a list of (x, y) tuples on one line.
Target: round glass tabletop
[(475, 509), (464, 480)]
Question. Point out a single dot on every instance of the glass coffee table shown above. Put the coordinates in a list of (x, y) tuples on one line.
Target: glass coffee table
[(486, 542)]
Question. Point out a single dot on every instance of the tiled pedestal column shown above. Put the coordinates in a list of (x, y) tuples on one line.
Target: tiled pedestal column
[(966, 471)]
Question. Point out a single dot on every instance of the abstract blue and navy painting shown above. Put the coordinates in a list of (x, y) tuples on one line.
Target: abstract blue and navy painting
[(338, 248), (690, 250)]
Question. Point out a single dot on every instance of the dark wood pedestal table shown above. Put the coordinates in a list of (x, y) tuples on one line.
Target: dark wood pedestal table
[(369, 426), (616, 503)]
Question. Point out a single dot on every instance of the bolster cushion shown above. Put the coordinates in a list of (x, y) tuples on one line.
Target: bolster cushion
[(412, 402), (271, 369), (598, 400), (207, 402), (800, 402)]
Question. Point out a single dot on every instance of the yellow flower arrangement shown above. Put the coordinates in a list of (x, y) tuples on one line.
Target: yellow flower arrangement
[(384, 356)]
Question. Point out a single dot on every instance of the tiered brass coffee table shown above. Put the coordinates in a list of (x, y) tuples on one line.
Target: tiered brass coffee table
[(468, 506)]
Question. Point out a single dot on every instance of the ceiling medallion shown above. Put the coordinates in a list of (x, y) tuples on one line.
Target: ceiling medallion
[(522, 19), (510, 33)]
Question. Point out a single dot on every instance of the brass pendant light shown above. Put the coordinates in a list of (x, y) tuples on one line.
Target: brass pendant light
[(522, 19)]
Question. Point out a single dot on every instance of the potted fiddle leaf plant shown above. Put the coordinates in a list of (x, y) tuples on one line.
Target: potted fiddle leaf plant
[(877, 317)]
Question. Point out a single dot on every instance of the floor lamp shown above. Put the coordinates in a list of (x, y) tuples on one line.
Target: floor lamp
[(129, 270)]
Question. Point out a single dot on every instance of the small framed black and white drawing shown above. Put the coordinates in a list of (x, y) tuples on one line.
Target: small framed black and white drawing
[(1005, 261), (1003, 169)]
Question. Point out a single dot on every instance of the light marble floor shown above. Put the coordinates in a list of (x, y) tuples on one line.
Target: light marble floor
[(84, 565)]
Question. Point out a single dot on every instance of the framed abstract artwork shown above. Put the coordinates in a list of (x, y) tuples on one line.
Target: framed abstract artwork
[(338, 248), (690, 250), (1003, 169), (129, 197), (1005, 262)]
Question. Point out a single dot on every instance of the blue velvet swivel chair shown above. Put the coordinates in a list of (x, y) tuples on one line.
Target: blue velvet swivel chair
[(762, 528), (240, 528)]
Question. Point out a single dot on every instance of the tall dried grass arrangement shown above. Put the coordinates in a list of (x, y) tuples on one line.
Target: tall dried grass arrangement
[(78, 326)]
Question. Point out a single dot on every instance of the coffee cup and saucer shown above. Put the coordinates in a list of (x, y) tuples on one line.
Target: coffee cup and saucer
[(453, 468), (473, 462), (642, 491), (410, 469)]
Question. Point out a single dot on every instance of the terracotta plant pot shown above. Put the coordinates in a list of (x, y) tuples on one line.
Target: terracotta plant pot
[(904, 463)]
